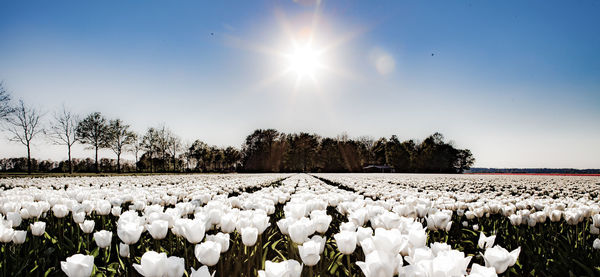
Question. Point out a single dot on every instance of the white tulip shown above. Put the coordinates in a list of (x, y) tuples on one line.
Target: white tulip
[(309, 252), (208, 253), (87, 226), (500, 258), (158, 229), (103, 238), (288, 268), (38, 228), (249, 236), (60, 210), (129, 232), (19, 236), (124, 250), (346, 242), (78, 265), (202, 272)]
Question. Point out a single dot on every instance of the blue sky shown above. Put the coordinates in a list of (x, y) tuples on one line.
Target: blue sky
[(517, 82)]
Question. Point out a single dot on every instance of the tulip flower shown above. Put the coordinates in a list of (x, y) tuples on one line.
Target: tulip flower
[(500, 258), (87, 226), (485, 242), (482, 271), (152, 264), (38, 228), (175, 266), (227, 223), (288, 268), (309, 252), (193, 230), (249, 236), (103, 238), (346, 242), (220, 238), (6, 234), (596, 244), (158, 229), (19, 237), (208, 252), (300, 230), (202, 272), (377, 263), (321, 241), (60, 210), (15, 218), (363, 233), (124, 250), (129, 232), (79, 217), (78, 265)]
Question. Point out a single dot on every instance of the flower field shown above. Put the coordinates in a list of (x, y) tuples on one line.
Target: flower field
[(294, 225)]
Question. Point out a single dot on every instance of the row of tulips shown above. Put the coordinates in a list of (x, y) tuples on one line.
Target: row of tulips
[(278, 226)]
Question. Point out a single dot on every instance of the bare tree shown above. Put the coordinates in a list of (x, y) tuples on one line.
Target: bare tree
[(174, 148), (93, 130), (119, 137), (62, 131), (24, 125), (136, 147), (5, 108)]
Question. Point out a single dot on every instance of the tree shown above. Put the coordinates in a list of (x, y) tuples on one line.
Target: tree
[(24, 125), (396, 155), (378, 151), (136, 148), (149, 145), (93, 130), (464, 160), (118, 138), (63, 130), (174, 147), (5, 108)]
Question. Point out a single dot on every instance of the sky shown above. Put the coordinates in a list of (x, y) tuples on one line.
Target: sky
[(516, 82)]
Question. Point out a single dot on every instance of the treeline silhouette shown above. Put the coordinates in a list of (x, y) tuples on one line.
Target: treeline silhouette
[(265, 150), (535, 170)]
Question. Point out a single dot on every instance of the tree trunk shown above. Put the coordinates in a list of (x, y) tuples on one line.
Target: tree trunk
[(97, 167), (28, 159), (70, 162), (119, 163)]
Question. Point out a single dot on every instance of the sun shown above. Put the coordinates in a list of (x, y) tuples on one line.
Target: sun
[(304, 61)]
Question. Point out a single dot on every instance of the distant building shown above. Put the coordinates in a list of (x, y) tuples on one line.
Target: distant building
[(378, 169)]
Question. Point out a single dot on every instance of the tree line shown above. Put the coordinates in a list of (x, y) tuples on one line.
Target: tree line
[(265, 150)]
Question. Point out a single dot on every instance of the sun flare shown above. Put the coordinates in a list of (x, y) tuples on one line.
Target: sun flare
[(304, 61)]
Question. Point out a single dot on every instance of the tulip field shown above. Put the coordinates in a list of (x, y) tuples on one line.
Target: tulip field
[(292, 225)]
